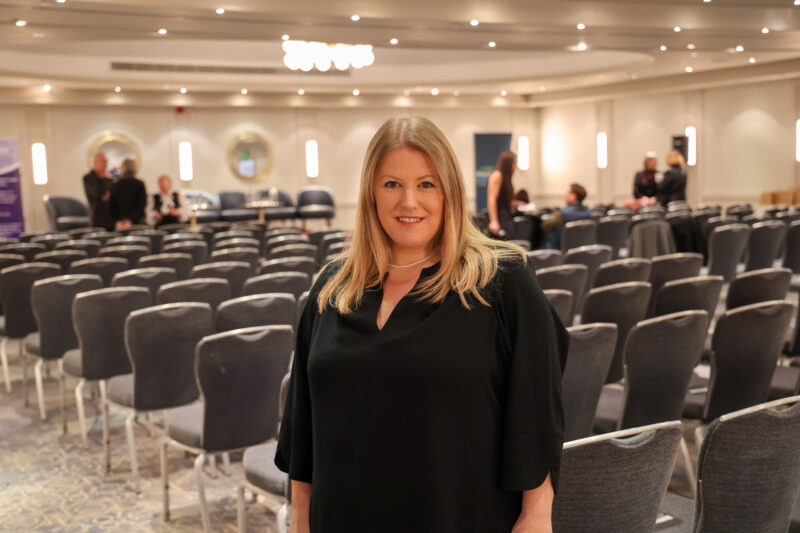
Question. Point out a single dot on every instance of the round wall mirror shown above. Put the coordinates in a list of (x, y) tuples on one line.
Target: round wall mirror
[(250, 157), (117, 147)]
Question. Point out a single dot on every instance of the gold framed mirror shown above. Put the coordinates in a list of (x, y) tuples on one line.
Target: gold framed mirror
[(250, 157), (117, 146)]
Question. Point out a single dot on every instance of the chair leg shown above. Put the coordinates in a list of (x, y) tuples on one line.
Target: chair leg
[(240, 509), (61, 394), (81, 412), (37, 373), (24, 358), (212, 466), (132, 451), (165, 477), (226, 461), (4, 358), (687, 462), (106, 438), (282, 518), (201, 491)]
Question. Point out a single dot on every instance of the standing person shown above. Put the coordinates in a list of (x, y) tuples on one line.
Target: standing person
[(500, 196), (644, 184), (673, 185), (128, 197), (167, 206), (97, 186), (425, 389)]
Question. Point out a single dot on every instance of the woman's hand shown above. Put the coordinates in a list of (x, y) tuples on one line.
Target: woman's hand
[(494, 227), (537, 505), (532, 526)]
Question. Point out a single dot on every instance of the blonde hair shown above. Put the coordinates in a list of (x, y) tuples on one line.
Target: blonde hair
[(469, 259), (674, 157)]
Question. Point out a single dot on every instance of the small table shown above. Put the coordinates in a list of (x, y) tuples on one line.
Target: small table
[(261, 205)]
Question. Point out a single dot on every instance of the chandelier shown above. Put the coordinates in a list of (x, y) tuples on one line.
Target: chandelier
[(305, 55)]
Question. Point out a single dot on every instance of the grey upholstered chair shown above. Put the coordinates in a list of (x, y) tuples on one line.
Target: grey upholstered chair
[(759, 286), (246, 254), (50, 240), (212, 291), (316, 236), (235, 272), (545, 258), (161, 344), (132, 240), (62, 258), (7, 260), (567, 277), (592, 256), (239, 374), (561, 300), (305, 265), (715, 222), (78, 233), (340, 240), (670, 267), (623, 304), (99, 317), (151, 278), (726, 245), (792, 257), (273, 309), (232, 234), (181, 263), (283, 240), (578, 233), (237, 242), (197, 249), (64, 212), (131, 253), (699, 292), (26, 249), (294, 250), (286, 230), (622, 271), (101, 236), (315, 202), (105, 267), (765, 242), (615, 482), (156, 237), (295, 283), (51, 301), (745, 348), (613, 232), (183, 236), (591, 348), (748, 471), (90, 247)]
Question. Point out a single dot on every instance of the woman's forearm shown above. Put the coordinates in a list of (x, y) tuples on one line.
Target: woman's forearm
[(537, 505), (301, 500)]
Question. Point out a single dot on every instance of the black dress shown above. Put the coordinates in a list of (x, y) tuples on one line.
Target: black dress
[(434, 423), (128, 199), (644, 184), (96, 187), (673, 187)]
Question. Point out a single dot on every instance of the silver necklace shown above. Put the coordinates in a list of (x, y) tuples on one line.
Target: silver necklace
[(411, 264)]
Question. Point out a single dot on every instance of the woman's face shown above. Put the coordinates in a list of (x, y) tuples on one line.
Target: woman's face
[(650, 163), (409, 200)]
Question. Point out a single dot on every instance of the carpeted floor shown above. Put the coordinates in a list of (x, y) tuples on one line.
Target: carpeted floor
[(50, 482)]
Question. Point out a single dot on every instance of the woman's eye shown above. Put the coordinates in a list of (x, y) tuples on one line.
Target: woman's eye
[(427, 185), (391, 184)]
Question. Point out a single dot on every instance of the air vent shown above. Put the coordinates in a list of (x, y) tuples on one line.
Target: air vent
[(219, 69)]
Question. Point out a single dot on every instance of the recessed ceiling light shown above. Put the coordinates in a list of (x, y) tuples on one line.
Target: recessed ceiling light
[(676, 29), (285, 37), (581, 26), (492, 44), (47, 87), (456, 93), (474, 22), (752, 60), (301, 92), (765, 30), (406, 93), (243, 91), (689, 69), (356, 92), (435, 91), (20, 23), (694, 54), (184, 90), (393, 41), (503, 93), (61, 1), (582, 46), (117, 89), (707, 1), (663, 48), (38, 36), (220, 11), (739, 48), (162, 31), (355, 18), (797, 2), (690, 46)]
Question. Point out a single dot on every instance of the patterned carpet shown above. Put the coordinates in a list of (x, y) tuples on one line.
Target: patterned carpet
[(50, 482)]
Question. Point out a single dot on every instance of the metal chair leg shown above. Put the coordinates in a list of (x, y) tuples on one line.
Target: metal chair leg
[(106, 438), (37, 373), (24, 358), (165, 477), (4, 358), (81, 412), (687, 462), (240, 509), (201, 491), (282, 518), (212, 466), (226, 461), (61, 394), (132, 451)]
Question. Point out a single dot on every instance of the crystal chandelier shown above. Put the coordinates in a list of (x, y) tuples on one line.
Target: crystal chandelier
[(305, 55)]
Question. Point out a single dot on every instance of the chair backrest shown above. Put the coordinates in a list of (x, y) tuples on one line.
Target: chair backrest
[(231, 199), (197, 249), (156, 237), (212, 291), (62, 258), (90, 247), (151, 278), (181, 263), (15, 290), (293, 250), (545, 258), (99, 318), (132, 240), (235, 272), (561, 300), (283, 240), (295, 283), (289, 264), (623, 304), (615, 482), (523, 228), (700, 292), (50, 240), (183, 236), (725, 248), (670, 267), (622, 271), (591, 348), (578, 233), (592, 256), (272, 309), (315, 196), (764, 244), (237, 242), (759, 286), (567, 277), (247, 255), (660, 355), (51, 301), (316, 236), (745, 348), (26, 249), (8, 260), (105, 267), (239, 373), (748, 469), (715, 222), (101, 236), (161, 343), (290, 230), (792, 257), (613, 232), (232, 234), (131, 253)]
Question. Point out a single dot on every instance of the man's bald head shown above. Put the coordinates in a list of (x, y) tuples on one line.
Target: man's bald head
[(164, 184), (100, 162)]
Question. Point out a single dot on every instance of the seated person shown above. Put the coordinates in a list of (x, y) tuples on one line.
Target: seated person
[(167, 206), (574, 210)]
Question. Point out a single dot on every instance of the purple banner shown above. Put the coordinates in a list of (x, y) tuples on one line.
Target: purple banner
[(11, 222)]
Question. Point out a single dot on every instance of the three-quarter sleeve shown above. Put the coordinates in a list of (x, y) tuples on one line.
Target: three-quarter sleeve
[(536, 343)]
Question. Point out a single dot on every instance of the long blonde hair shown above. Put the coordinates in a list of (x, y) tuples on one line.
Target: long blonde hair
[(469, 260)]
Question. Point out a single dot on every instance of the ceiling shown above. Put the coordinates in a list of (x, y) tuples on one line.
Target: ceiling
[(72, 45)]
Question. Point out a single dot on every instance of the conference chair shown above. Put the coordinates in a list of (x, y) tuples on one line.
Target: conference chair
[(26, 249), (622, 271), (270, 309), (283, 240), (234, 272), (50, 240), (293, 250), (7, 260), (758, 286), (613, 232), (238, 242), (132, 240), (592, 256), (567, 277), (151, 278), (212, 291), (315, 202), (715, 222), (287, 230), (62, 258), (105, 267), (545, 258), (764, 244), (699, 292), (792, 258), (85, 245), (316, 236), (247, 255), (670, 267), (78, 233), (232, 234), (156, 237), (197, 249), (578, 233), (726, 245), (131, 253), (101, 236), (183, 236), (333, 243), (294, 283), (181, 263), (561, 300), (305, 265)]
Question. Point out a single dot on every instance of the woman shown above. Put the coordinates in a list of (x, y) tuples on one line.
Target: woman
[(673, 186), (425, 389), (644, 184), (500, 196), (128, 197)]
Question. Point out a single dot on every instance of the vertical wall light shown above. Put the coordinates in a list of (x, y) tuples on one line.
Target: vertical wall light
[(691, 151), (39, 155), (602, 150), (797, 141), (523, 153), (312, 159), (185, 161)]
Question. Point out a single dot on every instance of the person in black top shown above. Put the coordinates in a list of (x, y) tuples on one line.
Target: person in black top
[(500, 196), (97, 186), (644, 184), (128, 197), (673, 186), (167, 206), (425, 393)]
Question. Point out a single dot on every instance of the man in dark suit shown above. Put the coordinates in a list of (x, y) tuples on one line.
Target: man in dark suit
[(128, 197), (97, 185)]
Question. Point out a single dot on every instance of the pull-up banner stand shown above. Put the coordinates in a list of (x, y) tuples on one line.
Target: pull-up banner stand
[(11, 222), (488, 147)]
